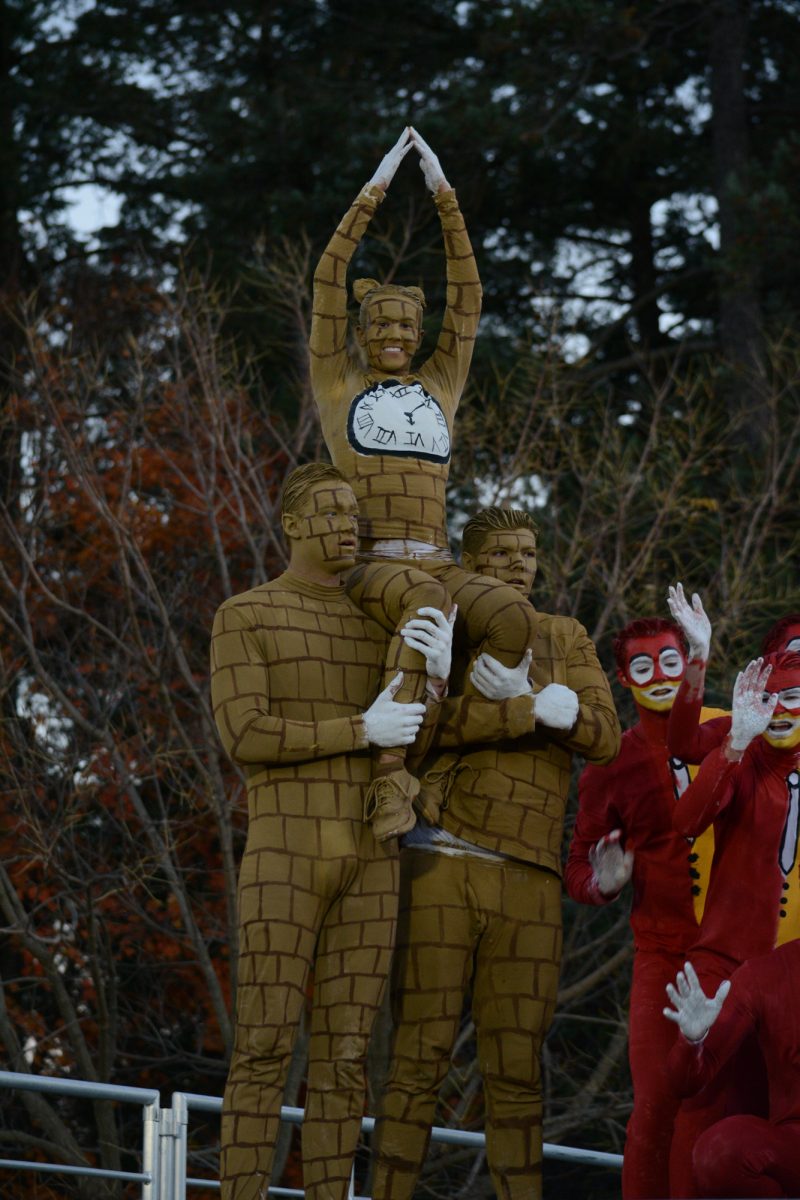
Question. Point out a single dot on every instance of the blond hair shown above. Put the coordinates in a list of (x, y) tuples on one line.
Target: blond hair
[(494, 520), (301, 479)]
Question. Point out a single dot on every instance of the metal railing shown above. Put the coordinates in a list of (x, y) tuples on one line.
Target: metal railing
[(165, 1138), (150, 1102)]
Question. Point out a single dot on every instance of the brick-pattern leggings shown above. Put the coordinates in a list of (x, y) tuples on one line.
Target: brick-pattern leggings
[(499, 925)]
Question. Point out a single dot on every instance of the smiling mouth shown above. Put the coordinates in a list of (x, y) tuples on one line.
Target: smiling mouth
[(658, 692), (781, 726)]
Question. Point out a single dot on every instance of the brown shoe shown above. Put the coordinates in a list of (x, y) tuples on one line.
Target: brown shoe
[(435, 787), (387, 805)]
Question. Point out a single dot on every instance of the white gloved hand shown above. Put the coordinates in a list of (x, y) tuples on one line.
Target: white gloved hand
[(391, 161), (433, 639), (497, 682), (693, 1011), (611, 866), (752, 707), (429, 164), (692, 619), (388, 723), (557, 706)]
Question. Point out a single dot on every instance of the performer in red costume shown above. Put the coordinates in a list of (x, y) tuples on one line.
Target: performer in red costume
[(624, 825), (744, 1155), (749, 789), (784, 635), (684, 738)]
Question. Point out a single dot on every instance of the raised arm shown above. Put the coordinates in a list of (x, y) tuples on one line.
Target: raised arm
[(328, 340), (711, 791), (447, 368), (250, 733), (687, 738)]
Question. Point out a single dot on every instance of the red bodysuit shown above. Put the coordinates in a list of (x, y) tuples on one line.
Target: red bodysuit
[(746, 1155), (753, 902), (636, 793)]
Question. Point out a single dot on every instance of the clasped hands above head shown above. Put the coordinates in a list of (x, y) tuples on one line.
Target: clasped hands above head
[(429, 163)]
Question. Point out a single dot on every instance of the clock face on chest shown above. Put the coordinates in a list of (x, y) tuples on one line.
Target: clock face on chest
[(399, 419)]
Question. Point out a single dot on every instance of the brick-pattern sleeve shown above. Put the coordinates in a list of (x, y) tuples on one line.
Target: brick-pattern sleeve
[(596, 733), (467, 719), (509, 796), (446, 370), (330, 360), (240, 693)]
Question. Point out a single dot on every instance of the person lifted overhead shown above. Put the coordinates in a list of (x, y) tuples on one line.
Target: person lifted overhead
[(389, 428)]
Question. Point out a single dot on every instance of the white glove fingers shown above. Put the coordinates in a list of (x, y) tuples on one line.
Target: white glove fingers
[(691, 975), (722, 992), (437, 616)]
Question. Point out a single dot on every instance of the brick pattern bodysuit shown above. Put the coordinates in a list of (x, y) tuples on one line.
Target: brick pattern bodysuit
[(391, 438), (293, 664), (637, 794), (747, 1155), (485, 907)]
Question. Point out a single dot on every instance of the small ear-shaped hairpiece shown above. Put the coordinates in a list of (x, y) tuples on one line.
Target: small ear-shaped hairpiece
[(362, 288), (417, 293)]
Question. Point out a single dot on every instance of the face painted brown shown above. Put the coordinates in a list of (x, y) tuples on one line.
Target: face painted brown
[(509, 556), (323, 534), (392, 333)]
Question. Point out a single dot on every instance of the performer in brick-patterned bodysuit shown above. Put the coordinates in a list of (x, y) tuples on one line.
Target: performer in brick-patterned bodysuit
[(749, 789), (389, 430), (293, 662), (745, 1155), (631, 803), (480, 892)]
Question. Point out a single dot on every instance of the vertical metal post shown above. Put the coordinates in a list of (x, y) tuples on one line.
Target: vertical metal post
[(167, 1144), (180, 1115), (151, 1164)]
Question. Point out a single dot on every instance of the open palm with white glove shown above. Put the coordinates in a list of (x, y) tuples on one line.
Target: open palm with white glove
[(693, 1011)]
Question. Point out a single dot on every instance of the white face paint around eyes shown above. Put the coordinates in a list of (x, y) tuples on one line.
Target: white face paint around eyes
[(793, 644), (671, 663), (790, 697), (641, 668)]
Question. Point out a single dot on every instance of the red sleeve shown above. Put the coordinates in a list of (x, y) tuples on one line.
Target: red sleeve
[(708, 794), (691, 1065), (595, 819), (687, 738)]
